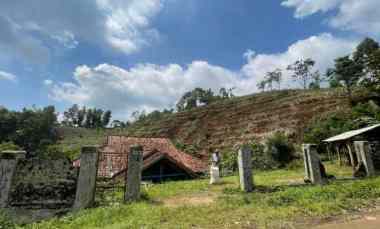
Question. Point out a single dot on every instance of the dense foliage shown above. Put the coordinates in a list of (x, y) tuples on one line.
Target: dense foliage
[(86, 117), (199, 97), (362, 68), (276, 152), (29, 129)]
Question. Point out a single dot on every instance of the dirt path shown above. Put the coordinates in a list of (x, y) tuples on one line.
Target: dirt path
[(368, 221), (193, 200)]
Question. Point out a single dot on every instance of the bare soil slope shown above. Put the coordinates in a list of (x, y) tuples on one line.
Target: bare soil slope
[(227, 123)]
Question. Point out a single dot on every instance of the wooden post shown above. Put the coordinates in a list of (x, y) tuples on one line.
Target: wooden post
[(352, 161)]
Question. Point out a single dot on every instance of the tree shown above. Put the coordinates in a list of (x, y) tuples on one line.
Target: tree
[(364, 51), (81, 116), (262, 85), (30, 128), (106, 118), (302, 71), (374, 69), (88, 123), (71, 115), (316, 83), (367, 55), (194, 98), (348, 72), (274, 76)]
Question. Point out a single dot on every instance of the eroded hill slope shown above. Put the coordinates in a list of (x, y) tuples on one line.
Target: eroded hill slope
[(231, 122)]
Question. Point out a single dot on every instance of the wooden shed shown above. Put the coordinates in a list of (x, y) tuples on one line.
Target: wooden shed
[(343, 144)]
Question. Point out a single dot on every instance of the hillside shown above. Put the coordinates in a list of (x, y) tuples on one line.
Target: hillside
[(227, 123)]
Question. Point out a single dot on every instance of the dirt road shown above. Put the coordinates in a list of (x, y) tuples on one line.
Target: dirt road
[(371, 221)]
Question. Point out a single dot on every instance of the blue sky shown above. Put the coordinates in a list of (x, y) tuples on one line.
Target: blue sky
[(144, 54)]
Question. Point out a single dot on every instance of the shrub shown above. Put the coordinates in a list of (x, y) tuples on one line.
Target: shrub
[(8, 146), (53, 152), (281, 150)]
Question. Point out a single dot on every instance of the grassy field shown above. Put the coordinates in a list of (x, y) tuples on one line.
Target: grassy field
[(279, 201)]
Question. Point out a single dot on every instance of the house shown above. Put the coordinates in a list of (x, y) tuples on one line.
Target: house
[(342, 144), (161, 159)]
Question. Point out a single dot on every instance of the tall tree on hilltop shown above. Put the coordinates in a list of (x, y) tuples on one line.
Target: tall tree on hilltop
[(262, 85), (367, 54), (106, 118), (274, 76), (364, 51), (348, 72), (302, 71), (81, 116)]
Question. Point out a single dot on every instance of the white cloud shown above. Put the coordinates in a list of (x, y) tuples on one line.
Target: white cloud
[(149, 86), (144, 86), (47, 82), (361, 16), (323, 49), (29, 28), (7, 76)]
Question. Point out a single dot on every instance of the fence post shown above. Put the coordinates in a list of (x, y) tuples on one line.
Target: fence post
[(245, 169), (363, 149), (312, 164), (8, 163), (86, 184), (134, 173)]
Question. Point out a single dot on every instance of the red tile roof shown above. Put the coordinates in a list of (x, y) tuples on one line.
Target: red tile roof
[(113, 156)]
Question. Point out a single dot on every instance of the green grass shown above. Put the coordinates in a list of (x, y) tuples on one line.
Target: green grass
[(273, 204)]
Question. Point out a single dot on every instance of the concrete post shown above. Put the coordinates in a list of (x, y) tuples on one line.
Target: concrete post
[(214, 169), (364, 151), (245, 169), (312, 164), (8, 163), (134, 173), (86, 184)]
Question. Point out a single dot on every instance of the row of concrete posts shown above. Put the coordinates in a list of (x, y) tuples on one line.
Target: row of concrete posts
[(314, 170)]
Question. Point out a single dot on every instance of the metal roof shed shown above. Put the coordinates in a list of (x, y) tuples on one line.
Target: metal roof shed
[(346, 139), (350, 134)]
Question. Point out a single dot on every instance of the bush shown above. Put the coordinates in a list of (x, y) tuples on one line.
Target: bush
[(281, 150), (8, 146), (53, 152), (277, 153)]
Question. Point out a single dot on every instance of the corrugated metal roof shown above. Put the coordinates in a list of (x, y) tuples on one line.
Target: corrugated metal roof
[(350, 134)]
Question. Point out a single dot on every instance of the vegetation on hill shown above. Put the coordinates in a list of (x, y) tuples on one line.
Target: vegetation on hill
[(29, 129)]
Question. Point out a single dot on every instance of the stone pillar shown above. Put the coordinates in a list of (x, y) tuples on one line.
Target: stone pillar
[(245, 169), (214, 169), (86, 184), (8, 163), (364, 151), (134, 173), (312, 164)]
